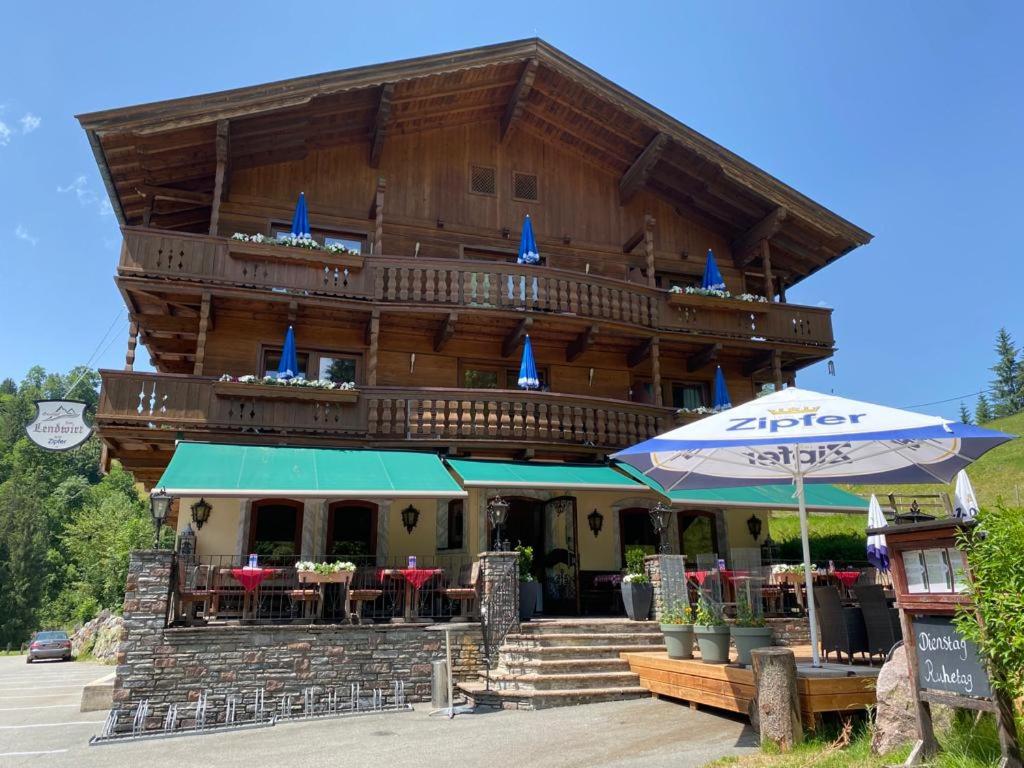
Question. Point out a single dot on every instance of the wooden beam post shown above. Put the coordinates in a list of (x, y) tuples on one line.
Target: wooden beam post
[(636, 175), (133, 340), (649, 247), (371, 353), (703, 358), (380, 123), (777, 370), (581, 343), (512, 341), (204, 324), (782, 289), (755, 364), (656, 370), (640, 352), (446, 331), (378, 216), (745, 247), (766, 261), (517, 102), (220, 179), (147, 212)]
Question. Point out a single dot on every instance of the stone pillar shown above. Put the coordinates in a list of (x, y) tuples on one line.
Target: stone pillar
[(652, 567), (499, 576), (146, 603), (668, 580)]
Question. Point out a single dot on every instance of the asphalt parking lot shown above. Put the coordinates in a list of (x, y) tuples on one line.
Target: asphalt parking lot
[(40, 725)]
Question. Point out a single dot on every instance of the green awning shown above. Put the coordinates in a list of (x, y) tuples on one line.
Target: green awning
[(206, 469), (535, 474), (819, 497)]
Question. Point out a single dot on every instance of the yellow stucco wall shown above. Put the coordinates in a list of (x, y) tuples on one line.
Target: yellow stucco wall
[(219, 536), (422, 541), (738, 535)]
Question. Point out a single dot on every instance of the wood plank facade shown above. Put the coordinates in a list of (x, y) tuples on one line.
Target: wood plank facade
[(427, 168)]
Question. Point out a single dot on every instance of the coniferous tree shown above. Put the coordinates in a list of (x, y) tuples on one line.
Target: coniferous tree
[(965, 416), (1007, 398), (982, 411)]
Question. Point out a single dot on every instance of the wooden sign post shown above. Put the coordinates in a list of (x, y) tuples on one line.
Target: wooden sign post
[(930, 575)]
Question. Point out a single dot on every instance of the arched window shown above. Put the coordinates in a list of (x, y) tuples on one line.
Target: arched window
[(697, 534), (275, 529), (636, 530), (352, 531)]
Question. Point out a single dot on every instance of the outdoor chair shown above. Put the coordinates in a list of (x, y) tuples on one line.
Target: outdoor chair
[(358, 593), (193, 589), (841, 628), (305, 601), (465, 592), (882, 626)]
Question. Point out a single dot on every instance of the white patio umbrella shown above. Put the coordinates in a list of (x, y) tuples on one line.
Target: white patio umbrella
[(878, 550), (798, 436), (965, 503)]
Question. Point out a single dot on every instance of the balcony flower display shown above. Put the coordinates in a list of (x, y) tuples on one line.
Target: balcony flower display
[(692, 290), (293, 382), (308, 566), (291, 241), (700, 410)]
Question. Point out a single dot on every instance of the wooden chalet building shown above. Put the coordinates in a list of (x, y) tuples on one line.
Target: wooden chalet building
[(425, 170)]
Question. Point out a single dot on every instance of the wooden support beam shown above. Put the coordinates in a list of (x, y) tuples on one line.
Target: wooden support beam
[(804, 252), (656, 371), (517, 102), (147, 212), (221, 174), (637, 173), (512, 341), (293, 311), (204, 324), (371, 353), (756, 364), (133, 340), (581, 343), (380, 123), (703, 358), (181, 326), (634, 240), (745, 248), (649, 249), (378, 216), (766, 265), (777, 370), (446, 331), (640, 352), (177, 195)]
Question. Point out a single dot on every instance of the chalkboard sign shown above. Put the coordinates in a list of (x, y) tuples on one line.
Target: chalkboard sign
[(946, 661)]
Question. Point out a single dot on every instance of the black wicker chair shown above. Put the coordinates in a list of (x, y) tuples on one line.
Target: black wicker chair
[(881, 622), (841, 629)]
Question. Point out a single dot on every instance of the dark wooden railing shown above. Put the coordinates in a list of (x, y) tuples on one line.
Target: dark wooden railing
[(463, 283), (386, 415)]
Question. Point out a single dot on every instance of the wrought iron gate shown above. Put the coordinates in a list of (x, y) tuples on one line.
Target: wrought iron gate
[(498, 598)]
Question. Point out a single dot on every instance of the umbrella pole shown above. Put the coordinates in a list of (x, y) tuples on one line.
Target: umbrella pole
[(812, 615)]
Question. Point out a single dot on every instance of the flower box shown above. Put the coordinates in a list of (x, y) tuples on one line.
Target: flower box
[(284, 392), (715, 302), (239, 249), (312, 577)]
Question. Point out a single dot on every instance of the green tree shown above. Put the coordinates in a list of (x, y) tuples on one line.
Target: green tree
[(982, 410), (1007, 397), (965, 416), (23, 563)]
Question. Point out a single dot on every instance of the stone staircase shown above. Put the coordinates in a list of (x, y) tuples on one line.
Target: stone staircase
[(564, 662)]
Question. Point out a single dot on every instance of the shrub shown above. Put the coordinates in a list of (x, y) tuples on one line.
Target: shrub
[(635, 572)]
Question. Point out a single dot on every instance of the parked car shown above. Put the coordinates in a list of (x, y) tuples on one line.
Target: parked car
[(49, 645)]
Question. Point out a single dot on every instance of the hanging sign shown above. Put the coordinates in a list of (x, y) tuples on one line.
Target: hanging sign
[(59, 425)]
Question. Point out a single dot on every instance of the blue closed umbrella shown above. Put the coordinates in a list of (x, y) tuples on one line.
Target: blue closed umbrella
[(721, 400), (528, 378), (300, 221), (528, 253), (288, 368), (713, 279)]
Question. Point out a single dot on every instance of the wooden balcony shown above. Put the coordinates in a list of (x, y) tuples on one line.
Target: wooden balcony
[(465, 285), (155, 409)]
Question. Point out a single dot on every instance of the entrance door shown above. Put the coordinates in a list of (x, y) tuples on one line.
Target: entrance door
[(561, 561)]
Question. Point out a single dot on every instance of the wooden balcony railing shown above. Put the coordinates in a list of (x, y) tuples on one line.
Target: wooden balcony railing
[(385, 415), (466, 284)]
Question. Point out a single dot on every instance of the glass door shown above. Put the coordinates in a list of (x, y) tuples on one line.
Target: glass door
[(561, 560)]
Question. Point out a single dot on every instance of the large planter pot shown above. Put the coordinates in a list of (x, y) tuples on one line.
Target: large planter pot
[(637, 599), (678, 640), (529, 592), (749, 638), (713, 643)]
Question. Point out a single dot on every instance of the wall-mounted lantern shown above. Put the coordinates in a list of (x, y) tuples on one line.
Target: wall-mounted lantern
[(201, 513), (410, 516), (660, 514), (497, 512), (596, 520), (754, 526)]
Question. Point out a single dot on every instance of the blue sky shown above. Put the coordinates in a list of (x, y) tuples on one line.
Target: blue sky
[(905, 118)]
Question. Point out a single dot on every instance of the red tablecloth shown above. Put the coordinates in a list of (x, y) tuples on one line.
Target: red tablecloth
[(415, 576), (250, 578), (847, 578)]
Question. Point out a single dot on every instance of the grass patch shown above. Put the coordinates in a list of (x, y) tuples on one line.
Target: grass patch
[(12, 653)]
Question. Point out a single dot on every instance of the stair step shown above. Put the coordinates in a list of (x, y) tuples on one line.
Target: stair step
[(516, 653), (570, 682), (581, 626), (561, 666), (523, 699), (583, 638)]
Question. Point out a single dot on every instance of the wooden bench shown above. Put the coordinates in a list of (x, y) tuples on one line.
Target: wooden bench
[(193, 590)]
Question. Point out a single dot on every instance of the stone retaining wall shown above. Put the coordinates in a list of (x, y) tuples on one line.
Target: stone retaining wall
[(791, 631), (175, 664)]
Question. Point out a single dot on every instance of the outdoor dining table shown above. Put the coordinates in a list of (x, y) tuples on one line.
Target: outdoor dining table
[(414, 579), (250, 579), (847, 578)]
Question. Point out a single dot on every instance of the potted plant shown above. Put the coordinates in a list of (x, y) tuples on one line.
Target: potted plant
[(712, 633), (637, 592), (750, 630), (529, 587), (677, 626)]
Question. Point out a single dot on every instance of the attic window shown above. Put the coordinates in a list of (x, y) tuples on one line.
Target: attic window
[(483, 180), (525, 187)]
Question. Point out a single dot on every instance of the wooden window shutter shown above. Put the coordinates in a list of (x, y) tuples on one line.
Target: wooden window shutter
[(483, 180), (525, 187)]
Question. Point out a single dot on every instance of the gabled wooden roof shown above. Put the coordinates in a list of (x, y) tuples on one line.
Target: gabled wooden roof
[(171, 145)]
